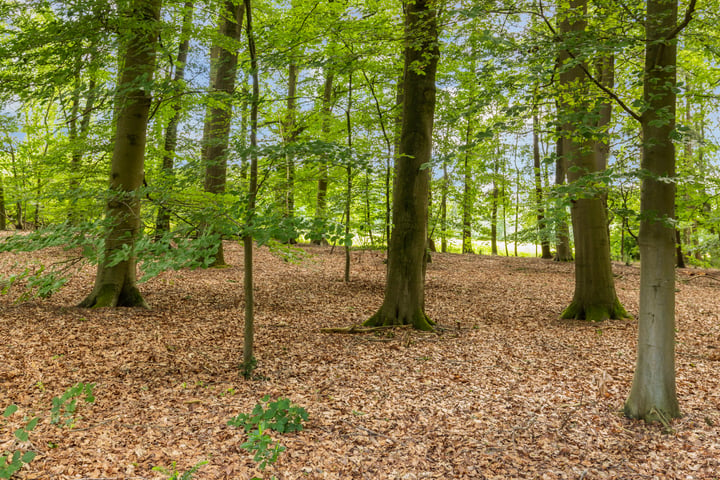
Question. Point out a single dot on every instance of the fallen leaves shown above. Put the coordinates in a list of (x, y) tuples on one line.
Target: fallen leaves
[(504, 390)]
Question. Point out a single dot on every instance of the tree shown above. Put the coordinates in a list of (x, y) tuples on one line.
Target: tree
[(404, 300), (162, 223), (216, 133), (115, 282), (248, 360), (595, 298), (653, 394)]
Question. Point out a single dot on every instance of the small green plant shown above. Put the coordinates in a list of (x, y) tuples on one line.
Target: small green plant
[(265, 449), (64, 407), (174, 474), (280, 416), (11, 462)]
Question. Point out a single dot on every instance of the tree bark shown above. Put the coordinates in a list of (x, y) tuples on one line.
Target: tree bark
[(563, 251), (653, 394), (321, 205), (216, 132), (542, 227), (467, 201), (115, 282), (248, 360), (3, 213), (162, 222), (290, 134), (405, 285), (595, 298)]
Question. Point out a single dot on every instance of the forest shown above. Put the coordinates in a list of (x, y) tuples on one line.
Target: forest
[(359, 239)]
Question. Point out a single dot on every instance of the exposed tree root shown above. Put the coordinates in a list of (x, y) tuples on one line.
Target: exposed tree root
[(110, 295), (594, 312), (360, 328), (418, 320)]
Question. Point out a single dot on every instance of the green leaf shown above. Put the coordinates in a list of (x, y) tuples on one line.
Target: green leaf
[(9, 410)]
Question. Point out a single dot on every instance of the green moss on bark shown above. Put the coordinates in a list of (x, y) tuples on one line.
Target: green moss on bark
[(594, 312)]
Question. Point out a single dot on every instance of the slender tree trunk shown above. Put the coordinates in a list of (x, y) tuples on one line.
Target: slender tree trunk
[(216, 132), (290, 133), (348, 192), (653, 394), (162, 222), (443, 207), (493, 219), (595, 298), (3, 213), (115, 283), (563, 252), (248, 360), (77, 137), (405, 284), (542, 227), (321, 205), (467, 195)]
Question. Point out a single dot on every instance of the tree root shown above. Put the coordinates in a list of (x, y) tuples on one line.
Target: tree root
[(360, 328)]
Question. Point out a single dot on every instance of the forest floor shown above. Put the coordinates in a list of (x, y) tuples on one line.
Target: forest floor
[(505, 390)]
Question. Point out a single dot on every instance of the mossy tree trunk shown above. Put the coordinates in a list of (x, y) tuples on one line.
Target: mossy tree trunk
[(216, 132), (115, 282), (595, 298), (405, 285), (653, 394)]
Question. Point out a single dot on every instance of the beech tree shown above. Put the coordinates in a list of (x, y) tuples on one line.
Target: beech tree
[(404, 301), (216, 133), (653, 394), (115, 282), (595, 298)]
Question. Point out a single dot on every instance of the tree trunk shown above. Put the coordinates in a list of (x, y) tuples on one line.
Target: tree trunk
[(563, 251), (216, 132), (3, 213), (443, 207), (348, 191), (595, 298), (290, 134), (653, 394), (162, 223), (542, 227), (321, 205), (467, 196), (115, 283), (248, 360), (405, 284)]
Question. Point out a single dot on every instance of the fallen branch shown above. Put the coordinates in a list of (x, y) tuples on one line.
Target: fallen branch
[(360, 329)]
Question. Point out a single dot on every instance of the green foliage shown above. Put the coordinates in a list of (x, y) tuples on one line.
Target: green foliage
[(280, 416), (11, 462), (174, 474), (65, 406)]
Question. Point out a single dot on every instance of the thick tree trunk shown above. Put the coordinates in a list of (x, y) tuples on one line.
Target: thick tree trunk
[(405, 285), (653, 394), (115, 283), (216, 133), (162, 222), (595, 298)]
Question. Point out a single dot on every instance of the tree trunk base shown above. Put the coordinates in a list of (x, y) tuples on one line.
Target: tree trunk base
[(660, 414), (417, 319), (109, 295), (594, 312)]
